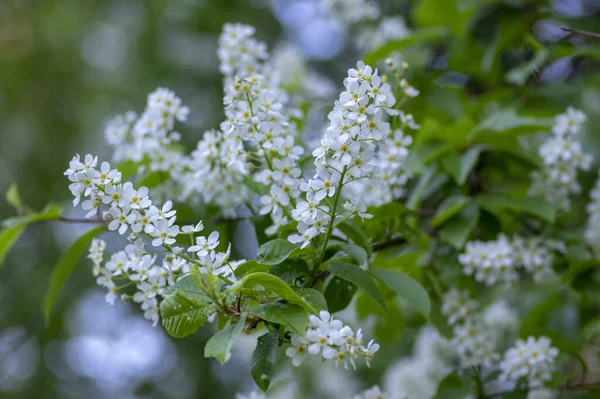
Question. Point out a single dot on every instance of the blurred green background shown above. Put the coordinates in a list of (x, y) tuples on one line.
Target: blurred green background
[(67, 66)]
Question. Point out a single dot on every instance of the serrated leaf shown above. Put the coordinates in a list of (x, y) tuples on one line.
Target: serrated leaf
[(272, 284), (456, 231), (407, 288), (535, 206), (459, 166), (447, 209), (262, 365), (290, 269), (359, 277), (65, 266), (292, 316), (275, 251), (183, 312), (220, 345), (187, 285)]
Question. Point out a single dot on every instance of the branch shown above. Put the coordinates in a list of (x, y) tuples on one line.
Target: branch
[(581, 32)]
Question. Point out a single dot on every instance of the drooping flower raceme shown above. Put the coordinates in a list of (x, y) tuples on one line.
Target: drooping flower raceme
[(330, 338), (131, 210), (563, 157), (499, 260), (529, 363), (458, 306), (592, 232), (356, 132)]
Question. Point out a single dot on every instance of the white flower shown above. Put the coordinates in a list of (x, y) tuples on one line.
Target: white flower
[(458, 306), (204, 246), (307, 233), (164, 232), (529, 363)]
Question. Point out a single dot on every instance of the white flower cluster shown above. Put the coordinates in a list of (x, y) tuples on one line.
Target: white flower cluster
[(390, 28), (498, 261), (592, 231), (417, 376), (375, 393), (357, 130), (529, 363), (477, 335), (331, 339), (239, 53), (563, 156), (351, 12), (150, 136), (131, 209)]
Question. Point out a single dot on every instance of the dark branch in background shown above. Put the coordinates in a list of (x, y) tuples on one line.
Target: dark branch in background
[(581, 32)]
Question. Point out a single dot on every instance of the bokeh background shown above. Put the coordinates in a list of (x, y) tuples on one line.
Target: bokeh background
[(66, 66)]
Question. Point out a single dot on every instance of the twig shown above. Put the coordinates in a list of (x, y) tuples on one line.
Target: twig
[(581, 32)]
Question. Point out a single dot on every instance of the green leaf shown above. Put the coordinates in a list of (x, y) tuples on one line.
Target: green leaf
[(417, 194), (339, 293), (290, 269), (272, 284), (250, 266), (459, 166), (407, 288), (8, 237), (220, 345), (447, 209), (456, 387), (14, 199), (578, 267), (456, 231), (292, 316), (507, 120), (275, 251), (535, 206), (154, 179), (314, 297), (417, 37), (262, 365), (184, 312), (358, 276), (187, 285), (519, 75), (357, 253), (354, 232), (65, 266)]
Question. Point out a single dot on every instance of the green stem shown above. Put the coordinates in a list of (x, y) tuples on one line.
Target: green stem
[(336, 198)]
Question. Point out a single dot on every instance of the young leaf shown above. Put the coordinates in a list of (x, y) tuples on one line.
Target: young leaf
[(292, 316), (407, 288), (272, 284), (14, 199), (358, 276), (262, 366), (220, 345), (8, 237), (275, 251), (183, 312), (65, 266), (154, 179), (447, 209)]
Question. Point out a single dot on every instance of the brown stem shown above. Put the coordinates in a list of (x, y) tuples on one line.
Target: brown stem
[(581, 32)]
